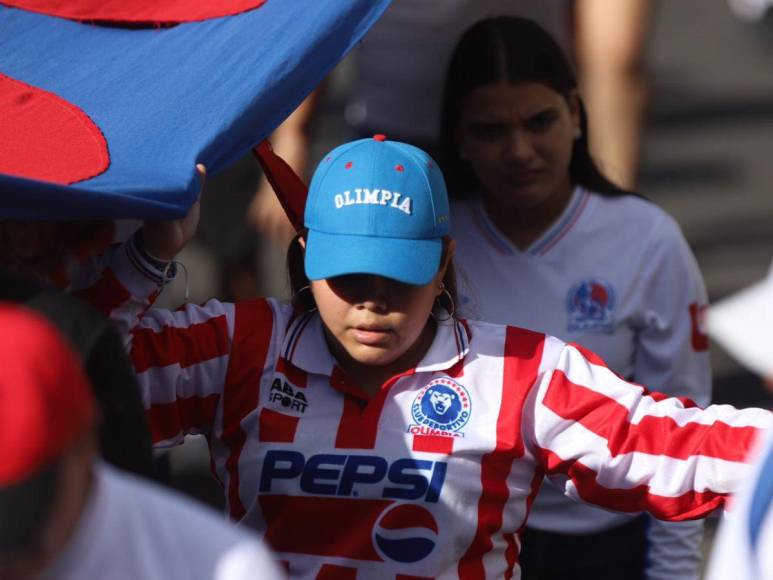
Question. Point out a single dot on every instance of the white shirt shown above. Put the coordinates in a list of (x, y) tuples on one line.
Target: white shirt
[(132, 529), (615, 275)]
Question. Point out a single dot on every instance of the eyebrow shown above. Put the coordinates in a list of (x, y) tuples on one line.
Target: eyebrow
[(485, 118)]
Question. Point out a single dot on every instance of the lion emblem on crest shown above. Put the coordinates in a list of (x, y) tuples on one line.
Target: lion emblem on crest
[(441, 404)]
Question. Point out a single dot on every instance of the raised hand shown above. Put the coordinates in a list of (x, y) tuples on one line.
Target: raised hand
[(165, 239)]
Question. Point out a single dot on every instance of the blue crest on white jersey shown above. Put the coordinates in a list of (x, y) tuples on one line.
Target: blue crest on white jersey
[(443, 405), (590, 306)]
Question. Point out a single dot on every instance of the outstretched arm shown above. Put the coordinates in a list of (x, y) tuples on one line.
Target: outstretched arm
[(614, 444)]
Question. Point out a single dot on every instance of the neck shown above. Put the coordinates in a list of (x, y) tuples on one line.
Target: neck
[(522, 226), (371, 378)]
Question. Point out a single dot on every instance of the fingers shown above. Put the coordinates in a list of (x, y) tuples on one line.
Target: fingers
[(202, 172)]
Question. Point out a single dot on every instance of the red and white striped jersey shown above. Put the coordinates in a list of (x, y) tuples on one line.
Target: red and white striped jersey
[(433, 477)]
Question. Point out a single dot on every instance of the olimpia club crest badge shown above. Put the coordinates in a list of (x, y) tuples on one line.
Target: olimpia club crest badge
[(590, 306), (442, 407)]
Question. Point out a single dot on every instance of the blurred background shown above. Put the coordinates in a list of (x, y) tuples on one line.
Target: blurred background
[(706, 157), (708, 152)]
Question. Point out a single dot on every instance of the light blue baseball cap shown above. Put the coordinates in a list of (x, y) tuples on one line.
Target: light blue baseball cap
[(376, 207)]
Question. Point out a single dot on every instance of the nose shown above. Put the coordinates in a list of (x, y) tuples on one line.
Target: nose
[(375, 294), (519, 147)]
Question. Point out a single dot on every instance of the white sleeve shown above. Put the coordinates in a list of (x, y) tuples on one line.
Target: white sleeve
[(672, 357), (672, 349), (614, 444)]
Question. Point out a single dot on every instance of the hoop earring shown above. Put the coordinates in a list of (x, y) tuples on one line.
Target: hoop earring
[(450, 311), (297, 303)]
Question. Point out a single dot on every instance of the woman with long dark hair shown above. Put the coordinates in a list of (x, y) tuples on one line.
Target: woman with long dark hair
[(546, 241)]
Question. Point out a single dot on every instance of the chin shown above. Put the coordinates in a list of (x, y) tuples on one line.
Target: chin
[(525, 196), (518, 196), (373, 356)]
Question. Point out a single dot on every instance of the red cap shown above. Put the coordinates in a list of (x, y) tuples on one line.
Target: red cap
[(379, 137), (45, 399)]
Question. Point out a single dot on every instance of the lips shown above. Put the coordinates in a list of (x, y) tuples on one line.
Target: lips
[(522, 175), (371, 335)]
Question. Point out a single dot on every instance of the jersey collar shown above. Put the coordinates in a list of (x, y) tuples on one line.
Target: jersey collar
[(547, 240), (451, 344), (305, 346)]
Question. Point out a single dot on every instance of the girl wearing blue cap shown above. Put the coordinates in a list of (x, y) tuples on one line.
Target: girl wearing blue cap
[(367, 432)]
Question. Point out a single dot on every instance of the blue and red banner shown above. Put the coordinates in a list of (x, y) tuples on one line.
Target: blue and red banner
[(107, 105)]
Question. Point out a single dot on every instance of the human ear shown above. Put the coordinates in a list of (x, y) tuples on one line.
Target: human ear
[(302, 242)]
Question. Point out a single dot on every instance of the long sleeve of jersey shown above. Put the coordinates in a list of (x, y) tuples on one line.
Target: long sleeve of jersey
[(619, 446), (672, 356), (183, 359), (122, 284)]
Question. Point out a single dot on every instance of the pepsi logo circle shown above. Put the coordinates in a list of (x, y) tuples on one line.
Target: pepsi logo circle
[(405, 533)]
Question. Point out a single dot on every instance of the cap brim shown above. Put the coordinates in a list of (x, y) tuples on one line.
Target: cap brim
[(743, 325), (410, 261)]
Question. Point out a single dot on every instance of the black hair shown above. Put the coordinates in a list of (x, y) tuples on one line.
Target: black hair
[(25, 508), (514, 50)]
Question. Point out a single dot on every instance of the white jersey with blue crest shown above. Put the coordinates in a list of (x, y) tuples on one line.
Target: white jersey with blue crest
[(615, 275)]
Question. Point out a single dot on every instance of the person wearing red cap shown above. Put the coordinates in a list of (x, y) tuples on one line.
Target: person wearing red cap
[(63, 514), (43, 265)]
